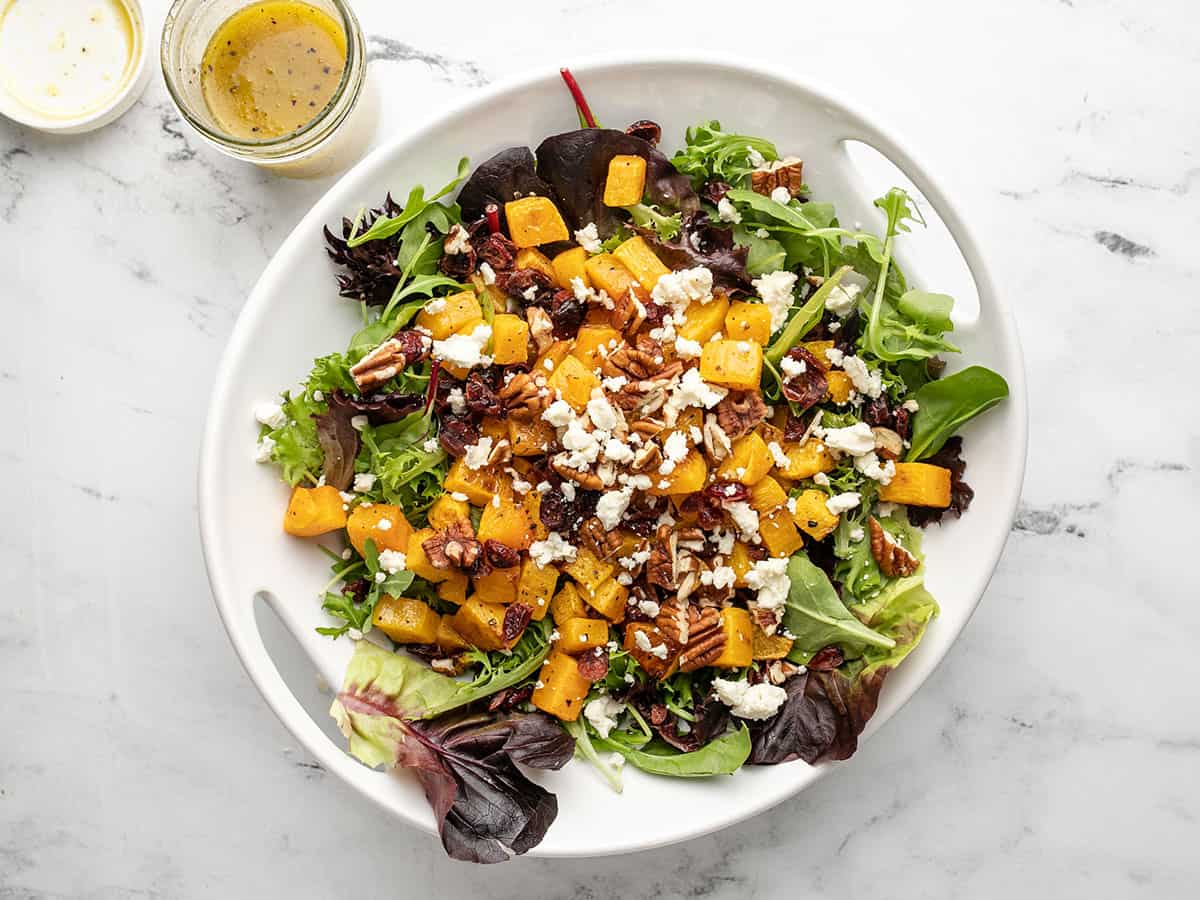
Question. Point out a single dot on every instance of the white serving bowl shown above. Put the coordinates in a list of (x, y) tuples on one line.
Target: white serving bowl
[(294, 315)]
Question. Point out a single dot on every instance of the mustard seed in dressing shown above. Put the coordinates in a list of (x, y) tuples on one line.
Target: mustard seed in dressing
[(271, 68)]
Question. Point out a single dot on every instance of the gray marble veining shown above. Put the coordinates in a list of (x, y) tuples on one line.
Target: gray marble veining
[(1056, 752)]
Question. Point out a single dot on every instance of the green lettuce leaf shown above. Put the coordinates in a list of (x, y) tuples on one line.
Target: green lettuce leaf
[(721, 756), (816, 617)]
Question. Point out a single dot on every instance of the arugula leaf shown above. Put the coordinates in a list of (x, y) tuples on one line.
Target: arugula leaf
[(723, 755), (804, 319), (416, 205), (949, 403), (816, 616), (711, 152)]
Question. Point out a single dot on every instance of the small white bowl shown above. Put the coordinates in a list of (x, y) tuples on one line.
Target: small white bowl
[(130, 89)]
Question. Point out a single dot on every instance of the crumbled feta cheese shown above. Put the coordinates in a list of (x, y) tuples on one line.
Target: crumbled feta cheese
[(770, 579), (675, 447), (457, 400), (692, 390), (588, 237), (680, 289), (614, 383), (793, 367), (855, 439), (583, 446), (724, 541), (458, 241), (776, 288), (611, 506), (358, 423), (870, 466), (346, 554), (821, 479), (885, 509), (601, 412), (392, 561), (642, 640), (617, 451), (319, 396), (756, 159), (720, 577), (430, 445), (465, 350), (433, 307), (762, 233), (865, 381), (781, 195), (835, 356), (777, 454), (488, 273), (559, 414), (659, 650), (383, 525), (841, 503), (363, 482), (750, 701), (568, 490), (857, 534), (271, 415), (726, 211), (649, 608), (477, 455), (745, 517), (264, 448), (685, 348), (842, 299), (911, 406), (459, 497), (553, 549), (603, 711)]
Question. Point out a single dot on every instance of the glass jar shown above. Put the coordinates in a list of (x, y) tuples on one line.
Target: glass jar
[(333, 140)]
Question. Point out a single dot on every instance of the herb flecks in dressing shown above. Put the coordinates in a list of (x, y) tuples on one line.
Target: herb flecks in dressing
[(271, 68)]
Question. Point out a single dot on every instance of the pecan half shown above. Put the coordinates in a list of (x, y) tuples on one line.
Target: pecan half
[(541, 327), (523, 396), (640, 360), (649, 456), (660, 567), (698, 630), (783, 173), (500, 555), (453, 546), (603, 543), (717, 444), (385, 362), (740, 413), (894, 561), (589, 481)]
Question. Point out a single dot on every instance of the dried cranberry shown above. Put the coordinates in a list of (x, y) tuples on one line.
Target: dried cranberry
[(655, 313), (510, 698), (456, 435), (554, 511), (714, 190), (481, 399), (516, 617), (648, 131), (531, 286), (903, 422), (846, 336), (593, 666), (500, 555), (459, 266), (876, 413), (827, 659), (413, 344), (809, 387), (797, 426), (658, 714), (357, 590), (567, 312), (727, 492), (496, 250), (642, 516), (707, 509)]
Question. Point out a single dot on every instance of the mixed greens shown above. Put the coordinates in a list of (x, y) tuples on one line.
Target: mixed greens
[(629, 460)]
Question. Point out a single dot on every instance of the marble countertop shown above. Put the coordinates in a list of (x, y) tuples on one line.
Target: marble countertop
[(1056, 752)]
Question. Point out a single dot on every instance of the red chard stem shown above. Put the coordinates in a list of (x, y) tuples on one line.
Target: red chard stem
[(586, 119)]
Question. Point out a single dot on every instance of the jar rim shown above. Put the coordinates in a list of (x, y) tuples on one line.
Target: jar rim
[(352, 74)]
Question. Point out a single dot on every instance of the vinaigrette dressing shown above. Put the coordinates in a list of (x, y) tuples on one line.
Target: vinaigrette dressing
[(271, 68)]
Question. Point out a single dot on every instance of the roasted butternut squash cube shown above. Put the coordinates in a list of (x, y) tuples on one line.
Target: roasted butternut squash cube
[(531, 502), (567, 604), (576, 636), (598, 315), (608, 599), (418, 561), (498, 585), (505, 523), (496, 429), (687, 477), (562, 689), (447, 511), (748, 322), (779, 534), (806, 460), (568, 265), (405, 621), (447, 638), (593, 343), (382, 523), (741, 562), (703, 320), (533, 221), (770, 646), (553, 355), (536, 587), (574, 381), (656, 652), (767, 495), (529, 437), (749, 462), (739, 639), (589, 571), (610, 275), (532, 258), (510, 340), (482, 624), (818, 349), (734, 364), (459, 311), (314, 511), (840, 386), (641, 260), (918, 484), (813, 516), (478, 484), (454, 589), (626, 182)]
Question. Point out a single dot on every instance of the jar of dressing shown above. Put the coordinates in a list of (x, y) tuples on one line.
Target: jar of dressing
[(279, 83)]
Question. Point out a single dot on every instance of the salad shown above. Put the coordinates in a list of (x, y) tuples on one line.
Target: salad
[(629, 461)]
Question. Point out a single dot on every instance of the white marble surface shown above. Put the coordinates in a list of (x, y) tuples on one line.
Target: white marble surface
[(1057, 750)]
